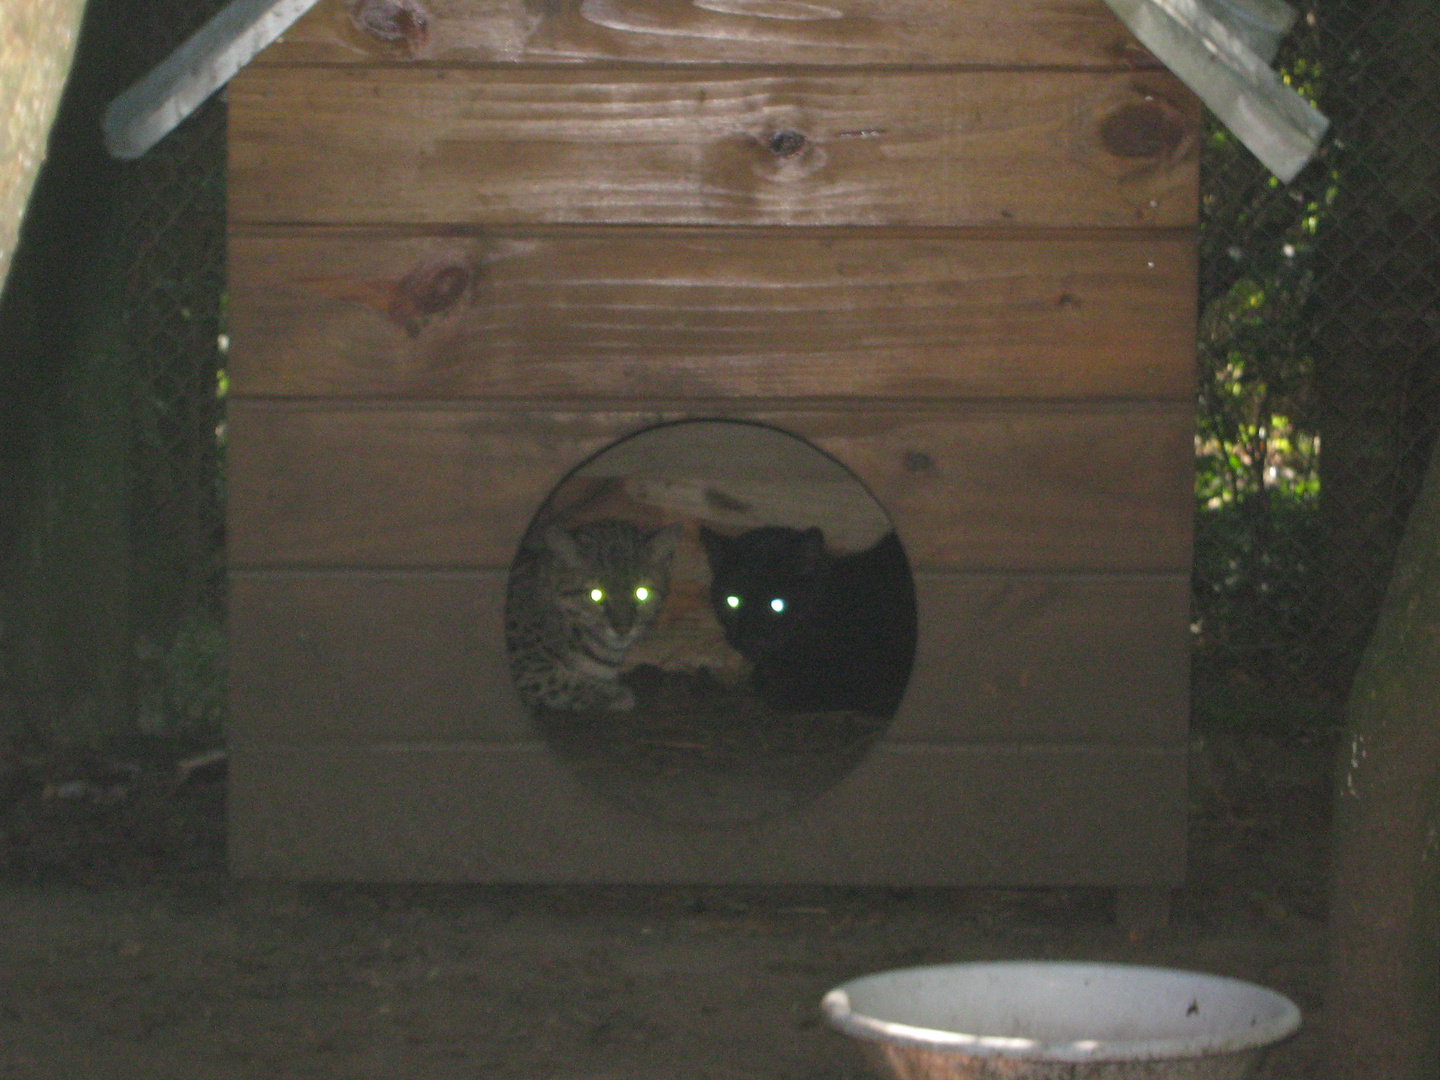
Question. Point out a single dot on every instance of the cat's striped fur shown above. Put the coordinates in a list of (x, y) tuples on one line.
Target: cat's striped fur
[(579, 598)]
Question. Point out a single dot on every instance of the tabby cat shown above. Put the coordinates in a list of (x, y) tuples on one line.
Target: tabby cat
[(579, 598), (821, 631)]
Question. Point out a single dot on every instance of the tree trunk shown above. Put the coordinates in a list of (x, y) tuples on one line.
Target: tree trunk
[(1376, 350), (1383, 1001), (37, 43), (65, 391)]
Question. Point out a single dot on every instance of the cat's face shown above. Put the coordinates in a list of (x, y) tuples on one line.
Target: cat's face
[(762, 584), (611, 577)]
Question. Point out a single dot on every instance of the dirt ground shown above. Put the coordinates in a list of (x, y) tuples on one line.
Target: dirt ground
[(126, 950)]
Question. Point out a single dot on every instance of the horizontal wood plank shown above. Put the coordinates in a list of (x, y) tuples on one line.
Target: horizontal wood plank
[(364, 658), (433, 145), (695, 313), (978, 487), (905, 816), (1002, 32)]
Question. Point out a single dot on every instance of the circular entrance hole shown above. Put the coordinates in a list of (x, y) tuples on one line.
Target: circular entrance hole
[(711, 622)]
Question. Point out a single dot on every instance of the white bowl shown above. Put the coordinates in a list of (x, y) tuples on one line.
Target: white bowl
[(1044, 1020)]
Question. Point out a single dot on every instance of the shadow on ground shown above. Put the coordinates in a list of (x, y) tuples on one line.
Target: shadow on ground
[(125, 950)]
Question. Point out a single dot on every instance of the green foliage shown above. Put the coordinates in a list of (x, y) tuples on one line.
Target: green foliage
[(182, 685), (1255, 587), (1257, 445)]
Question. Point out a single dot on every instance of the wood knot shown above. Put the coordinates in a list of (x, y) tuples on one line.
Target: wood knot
[(398, 23), (426, 291), (1145, 129), (786, 143), (917, 461)]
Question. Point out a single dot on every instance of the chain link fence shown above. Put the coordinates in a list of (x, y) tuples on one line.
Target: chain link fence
[(1318, 377), (174, 230), (1318, 366)]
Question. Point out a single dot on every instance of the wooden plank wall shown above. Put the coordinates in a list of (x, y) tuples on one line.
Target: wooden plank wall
[(474, 242)]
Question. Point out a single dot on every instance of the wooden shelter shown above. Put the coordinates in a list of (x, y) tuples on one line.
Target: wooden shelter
[(949, 243)]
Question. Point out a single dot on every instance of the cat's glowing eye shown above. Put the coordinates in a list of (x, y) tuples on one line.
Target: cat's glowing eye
[(642, 594), (732, 602), (777, 605), (597, 595)]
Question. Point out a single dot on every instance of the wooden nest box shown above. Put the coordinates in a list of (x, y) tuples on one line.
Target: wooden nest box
[(942, 251)]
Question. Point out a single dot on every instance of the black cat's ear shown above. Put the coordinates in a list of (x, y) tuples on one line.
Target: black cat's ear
[(562, 545), (662, 542), (812, 549), (713, 542)]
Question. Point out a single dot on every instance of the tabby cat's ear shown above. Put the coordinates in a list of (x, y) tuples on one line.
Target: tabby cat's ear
[(661, 543), (562, 544)]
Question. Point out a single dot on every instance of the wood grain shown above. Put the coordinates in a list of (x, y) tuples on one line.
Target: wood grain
[(475, 242), (977, 487), (433, 145), (360, 658), (905, 816), (699, 313), (1001, 32)]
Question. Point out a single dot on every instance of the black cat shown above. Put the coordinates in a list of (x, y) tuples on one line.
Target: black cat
[(821, 631)]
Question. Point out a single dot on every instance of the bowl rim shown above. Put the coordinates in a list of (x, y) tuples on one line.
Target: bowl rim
[(835, 1006)]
